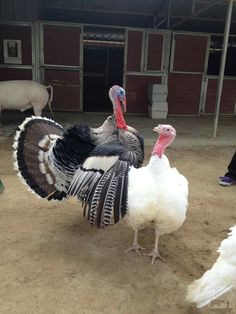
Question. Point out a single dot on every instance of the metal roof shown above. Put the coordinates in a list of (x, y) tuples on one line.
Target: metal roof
[(187, 15)]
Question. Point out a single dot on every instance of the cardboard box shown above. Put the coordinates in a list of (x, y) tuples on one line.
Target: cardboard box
[(157, 89), (157, 114), (159, 105)]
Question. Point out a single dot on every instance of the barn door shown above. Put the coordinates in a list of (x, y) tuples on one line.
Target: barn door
[(103, 62), (188, 64), (60, 48), (145, 64)]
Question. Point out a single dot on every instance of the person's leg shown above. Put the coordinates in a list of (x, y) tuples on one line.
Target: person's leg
[(232, 168), (230, 177)]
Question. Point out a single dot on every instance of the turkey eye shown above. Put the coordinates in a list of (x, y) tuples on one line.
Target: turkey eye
[(167, 129)]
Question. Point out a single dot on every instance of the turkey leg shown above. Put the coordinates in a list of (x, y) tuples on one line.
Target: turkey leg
[(135, 246), (155, 253)]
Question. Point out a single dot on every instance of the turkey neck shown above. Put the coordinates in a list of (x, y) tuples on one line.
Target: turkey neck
[(120, 121), (161, 144)]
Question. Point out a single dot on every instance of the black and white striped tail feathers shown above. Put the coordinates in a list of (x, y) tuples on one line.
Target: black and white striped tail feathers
[(105, 202), (101, 184), (32, 145)]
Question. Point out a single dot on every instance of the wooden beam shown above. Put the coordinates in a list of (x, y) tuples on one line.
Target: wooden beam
[(70, 8), (210, 5)]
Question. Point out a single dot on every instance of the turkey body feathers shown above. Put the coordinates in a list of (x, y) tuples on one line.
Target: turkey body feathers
[(162, 201), (95, 183), (220, 278)]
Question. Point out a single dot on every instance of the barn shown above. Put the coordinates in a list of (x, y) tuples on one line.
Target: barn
[(176, 61), (84, 47)]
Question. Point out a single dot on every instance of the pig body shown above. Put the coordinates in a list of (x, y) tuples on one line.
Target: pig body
[(22, 95)]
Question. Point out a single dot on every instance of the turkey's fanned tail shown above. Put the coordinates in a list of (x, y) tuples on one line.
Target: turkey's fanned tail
[(32, 145)]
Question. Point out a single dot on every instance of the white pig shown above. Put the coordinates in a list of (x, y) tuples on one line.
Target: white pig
[(22, 95)]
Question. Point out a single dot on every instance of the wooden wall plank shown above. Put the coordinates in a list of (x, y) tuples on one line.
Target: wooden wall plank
[(7, 74), (189, 53), (62, 45), (154, 57), (228, 96), (134, 48), (66, 89), (184, 93)]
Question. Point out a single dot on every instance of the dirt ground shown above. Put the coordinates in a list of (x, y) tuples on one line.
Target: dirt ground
[(52, 261)]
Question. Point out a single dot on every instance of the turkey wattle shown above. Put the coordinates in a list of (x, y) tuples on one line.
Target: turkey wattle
[(47, 156)]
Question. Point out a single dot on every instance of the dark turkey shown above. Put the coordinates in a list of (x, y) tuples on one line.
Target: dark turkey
[(47, 157)]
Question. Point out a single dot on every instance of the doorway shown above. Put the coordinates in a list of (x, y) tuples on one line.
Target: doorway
[(103, 68)]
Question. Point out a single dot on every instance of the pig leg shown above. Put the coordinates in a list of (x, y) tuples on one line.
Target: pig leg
[(37, 110)]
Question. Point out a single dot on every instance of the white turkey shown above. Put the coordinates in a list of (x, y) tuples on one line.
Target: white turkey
[(154, 195), (220, 278), (47, 156)]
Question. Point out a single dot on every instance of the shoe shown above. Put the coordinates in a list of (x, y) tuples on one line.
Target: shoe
[(226, 181)]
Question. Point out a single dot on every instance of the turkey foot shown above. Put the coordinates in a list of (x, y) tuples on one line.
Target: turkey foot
[(135, 246), (155, 255)]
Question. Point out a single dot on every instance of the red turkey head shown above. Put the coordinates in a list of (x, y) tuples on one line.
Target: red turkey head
[(118, 99)]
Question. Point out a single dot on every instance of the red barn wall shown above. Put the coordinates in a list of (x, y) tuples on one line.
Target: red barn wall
[(62, 51), (139, 66), (136, 89), (134, 50), (7, 74), (154, 54), (184, 93), (185, 77), (66, 88), (61, 45), (228, 96), (189, 53), (13, 71)]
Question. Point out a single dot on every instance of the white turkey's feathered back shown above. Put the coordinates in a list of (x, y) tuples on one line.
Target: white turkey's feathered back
[(220, 278)]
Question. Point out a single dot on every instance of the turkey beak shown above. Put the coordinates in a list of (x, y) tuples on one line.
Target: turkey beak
[(157, 129)]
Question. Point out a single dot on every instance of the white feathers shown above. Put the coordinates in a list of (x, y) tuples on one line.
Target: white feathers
[(42, 168), (48, 140), (220, 278), (15, 145), (17, 136), (100, 163), (43, 141), (15, 164), (49, 179), (41, 156), (22, 126), (157, 193)]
